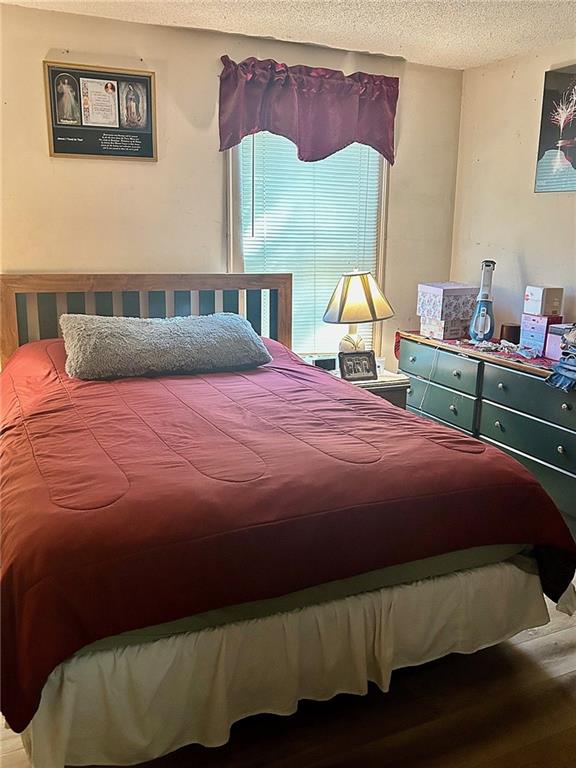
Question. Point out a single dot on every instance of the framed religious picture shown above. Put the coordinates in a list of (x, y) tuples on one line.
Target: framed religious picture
[(358, 366), (556, 165), (100, 112)]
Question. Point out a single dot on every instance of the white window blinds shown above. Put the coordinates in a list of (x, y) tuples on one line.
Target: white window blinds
[(316, 220)]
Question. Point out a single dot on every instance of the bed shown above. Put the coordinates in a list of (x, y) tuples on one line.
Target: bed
[(183, 551)]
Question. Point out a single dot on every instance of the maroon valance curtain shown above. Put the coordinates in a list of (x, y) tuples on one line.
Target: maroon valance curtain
[(320, 110)]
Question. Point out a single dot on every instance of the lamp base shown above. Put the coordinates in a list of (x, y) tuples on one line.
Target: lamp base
[(352, 342)]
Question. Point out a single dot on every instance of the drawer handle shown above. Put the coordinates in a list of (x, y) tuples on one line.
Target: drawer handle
[(501, 385), (566, 407), (457, 373), (498, 424), (561, 449), (453, 408), (412, 358)]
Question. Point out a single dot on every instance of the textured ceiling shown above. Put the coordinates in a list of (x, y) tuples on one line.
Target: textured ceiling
[(444, 33)]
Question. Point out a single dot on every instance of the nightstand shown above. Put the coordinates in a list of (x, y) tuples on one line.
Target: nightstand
[(390, 386)]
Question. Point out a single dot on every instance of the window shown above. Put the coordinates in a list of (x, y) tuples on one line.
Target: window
[(316, 220)]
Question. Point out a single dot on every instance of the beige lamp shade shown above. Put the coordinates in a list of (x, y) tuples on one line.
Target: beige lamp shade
[(357, 299)]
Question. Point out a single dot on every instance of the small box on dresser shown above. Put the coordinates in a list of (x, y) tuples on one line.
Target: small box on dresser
[(534, 329), (443, 329), (539, 300), (554, 339), (446, 301)]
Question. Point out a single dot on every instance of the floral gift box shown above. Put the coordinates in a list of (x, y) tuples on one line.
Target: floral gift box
[(446, 301)]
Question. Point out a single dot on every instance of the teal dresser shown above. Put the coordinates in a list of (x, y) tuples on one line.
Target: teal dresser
[(503, 403)]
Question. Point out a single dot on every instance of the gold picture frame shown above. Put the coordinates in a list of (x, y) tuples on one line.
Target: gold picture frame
[(103, 112)]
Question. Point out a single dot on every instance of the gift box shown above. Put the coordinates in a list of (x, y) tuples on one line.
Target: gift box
[(443, 329), (446, 301), (534, 330), (554, 339), (539, 300)]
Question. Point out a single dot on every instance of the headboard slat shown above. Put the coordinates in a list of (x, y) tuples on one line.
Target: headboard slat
[(170, 301), (33, 318), (31, 304), (242, 303), (143, 304), (61, 308), (117, 303)]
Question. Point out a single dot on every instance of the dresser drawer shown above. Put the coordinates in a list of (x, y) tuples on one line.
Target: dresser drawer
[(438, 421), (452, 407), (552, 444), (561, 486), (450, 370), (529, 394)]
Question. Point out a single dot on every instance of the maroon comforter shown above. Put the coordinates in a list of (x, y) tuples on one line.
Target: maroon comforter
[(138, 501)]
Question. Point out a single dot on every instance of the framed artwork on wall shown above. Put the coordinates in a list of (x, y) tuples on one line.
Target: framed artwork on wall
[(556, 165), (100, 112)]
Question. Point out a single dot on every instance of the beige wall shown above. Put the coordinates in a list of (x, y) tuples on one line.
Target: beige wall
[(532, 237), (109, 215), (421, 199)]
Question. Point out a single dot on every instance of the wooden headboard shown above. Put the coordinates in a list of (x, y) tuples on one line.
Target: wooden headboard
[(31, 304)]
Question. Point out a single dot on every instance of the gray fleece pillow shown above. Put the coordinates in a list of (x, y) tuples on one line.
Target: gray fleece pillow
[(117, 347)]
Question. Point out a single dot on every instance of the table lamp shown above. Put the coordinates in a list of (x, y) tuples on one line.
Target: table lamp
[(357, 299)]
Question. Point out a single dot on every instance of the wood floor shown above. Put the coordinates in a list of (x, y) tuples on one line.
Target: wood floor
[(511, 706)]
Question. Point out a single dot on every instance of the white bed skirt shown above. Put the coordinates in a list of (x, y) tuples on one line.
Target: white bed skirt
[(131, 705)]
